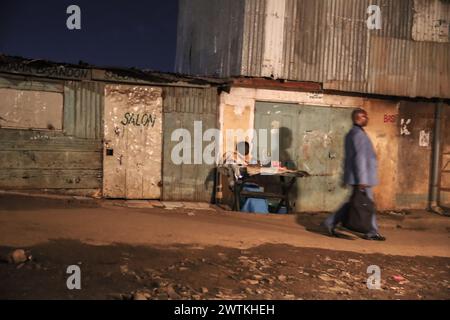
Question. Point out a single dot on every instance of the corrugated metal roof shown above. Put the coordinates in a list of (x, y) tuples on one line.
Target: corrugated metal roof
[(190, 100), (83, 71)]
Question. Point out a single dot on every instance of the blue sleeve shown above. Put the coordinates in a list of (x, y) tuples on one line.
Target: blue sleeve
[(361, 158)]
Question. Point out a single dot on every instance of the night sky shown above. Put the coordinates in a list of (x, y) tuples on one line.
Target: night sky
[(125, 33)]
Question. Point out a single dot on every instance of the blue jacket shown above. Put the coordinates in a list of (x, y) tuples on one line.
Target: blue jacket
[(360, 159)]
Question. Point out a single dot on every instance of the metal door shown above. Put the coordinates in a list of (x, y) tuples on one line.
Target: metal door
[(340, 125), (132, 142), (317, 146)]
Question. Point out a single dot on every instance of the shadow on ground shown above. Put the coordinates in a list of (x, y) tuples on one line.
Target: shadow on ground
[(313, 223)]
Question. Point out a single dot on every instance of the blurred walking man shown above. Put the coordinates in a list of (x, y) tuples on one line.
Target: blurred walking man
[(360, 171)]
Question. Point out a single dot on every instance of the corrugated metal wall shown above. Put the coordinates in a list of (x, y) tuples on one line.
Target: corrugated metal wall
[(67, 161), (83, 109), (328, 41), (431, 21), (183, 106), (210, 37), (253, 37)]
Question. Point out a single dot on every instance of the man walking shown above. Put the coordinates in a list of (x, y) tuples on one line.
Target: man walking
[(360, 171)]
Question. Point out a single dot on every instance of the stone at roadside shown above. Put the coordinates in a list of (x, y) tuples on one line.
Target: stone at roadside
[(17, 256), (161, 296), (325, 277), (354, 261), (248, 291), (338, 290), (139, 295), (282, 278), (172, 293), (124, 269)]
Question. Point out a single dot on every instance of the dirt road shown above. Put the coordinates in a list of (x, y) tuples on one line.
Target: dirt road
[(187, 253)]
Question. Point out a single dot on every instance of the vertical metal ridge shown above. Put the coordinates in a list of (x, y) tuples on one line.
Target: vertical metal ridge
[(83, 104)]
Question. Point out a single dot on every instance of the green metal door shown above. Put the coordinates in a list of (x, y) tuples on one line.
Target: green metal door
[(313, 145), (311, 139), (285, 117), (340, 124)]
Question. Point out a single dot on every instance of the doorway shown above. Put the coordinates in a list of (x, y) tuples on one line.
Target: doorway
[(132, 147), (315, 136)]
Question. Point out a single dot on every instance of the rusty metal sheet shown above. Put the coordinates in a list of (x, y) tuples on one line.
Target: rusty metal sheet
[(209, 37), (431, 21), (328, 42), (262, 83), (83, 109), (422, 71)]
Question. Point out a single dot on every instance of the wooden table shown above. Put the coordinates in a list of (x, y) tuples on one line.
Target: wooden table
[(287, 181)]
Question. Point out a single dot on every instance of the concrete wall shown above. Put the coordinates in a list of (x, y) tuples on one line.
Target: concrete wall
[(414, 162), (403, 178), (384, 133)]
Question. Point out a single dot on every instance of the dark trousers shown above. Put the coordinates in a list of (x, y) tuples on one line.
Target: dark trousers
[(333, 220)]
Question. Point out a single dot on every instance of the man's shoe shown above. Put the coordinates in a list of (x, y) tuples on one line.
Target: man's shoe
[(330, 230), (376, 237)]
